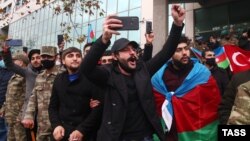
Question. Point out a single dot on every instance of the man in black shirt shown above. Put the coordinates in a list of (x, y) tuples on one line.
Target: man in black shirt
[(129, 108), (221, 76), (70, 115)]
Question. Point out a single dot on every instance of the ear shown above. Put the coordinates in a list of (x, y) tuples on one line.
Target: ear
[(114, 56), (63, 61)]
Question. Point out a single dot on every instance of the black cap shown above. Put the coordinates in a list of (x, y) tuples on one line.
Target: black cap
[(122, 43), (33, 51)]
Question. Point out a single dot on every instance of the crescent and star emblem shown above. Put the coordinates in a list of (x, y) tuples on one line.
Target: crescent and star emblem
[(234, 57)]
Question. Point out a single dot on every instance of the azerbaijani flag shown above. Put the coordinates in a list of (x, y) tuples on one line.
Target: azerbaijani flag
[(221, 58), (194, 104), (196, 52), (220, 55), (91, 35)]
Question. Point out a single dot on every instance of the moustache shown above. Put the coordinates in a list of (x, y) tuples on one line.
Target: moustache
[(133, 58)]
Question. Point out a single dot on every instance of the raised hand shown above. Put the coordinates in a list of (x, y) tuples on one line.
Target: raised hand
[(109, 25), (178, 14), (149, 38)]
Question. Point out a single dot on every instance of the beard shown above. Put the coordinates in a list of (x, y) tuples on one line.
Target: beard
[(124, 64), (181, 65)]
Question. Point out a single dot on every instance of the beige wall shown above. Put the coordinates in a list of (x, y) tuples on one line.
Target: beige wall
[(147, 15), (160, 23)]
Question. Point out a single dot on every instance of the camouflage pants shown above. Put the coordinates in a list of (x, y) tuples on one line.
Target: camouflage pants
[(43, 137), (16, 132)]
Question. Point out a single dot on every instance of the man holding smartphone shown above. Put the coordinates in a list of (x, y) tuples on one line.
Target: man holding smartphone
[(129, 109)]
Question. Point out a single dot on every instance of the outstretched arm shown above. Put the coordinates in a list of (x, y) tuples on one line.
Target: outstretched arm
[(153, 65), (9, 63), (89, 63)]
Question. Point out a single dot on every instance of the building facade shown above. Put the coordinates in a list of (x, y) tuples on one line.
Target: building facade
[(39, 25)]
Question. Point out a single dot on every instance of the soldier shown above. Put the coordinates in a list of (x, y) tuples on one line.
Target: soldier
[(14, 101), (41, 96), (30, 73)]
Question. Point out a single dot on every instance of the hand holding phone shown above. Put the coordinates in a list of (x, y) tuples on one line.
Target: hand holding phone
[(14, 42), (129, 23), (148, 27)]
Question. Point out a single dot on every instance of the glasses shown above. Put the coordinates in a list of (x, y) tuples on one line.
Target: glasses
[(107, 61)]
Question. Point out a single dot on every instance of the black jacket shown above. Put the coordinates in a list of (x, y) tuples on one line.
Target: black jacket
[(5, 76), (221, 77), (115, 101), (69, 106), (228, 97)]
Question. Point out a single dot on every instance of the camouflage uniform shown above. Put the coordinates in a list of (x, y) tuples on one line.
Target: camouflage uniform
[(12, 107), (240, 114), (40, 100)]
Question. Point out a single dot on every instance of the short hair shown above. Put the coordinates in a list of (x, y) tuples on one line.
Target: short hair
[(69, 50), (203, 53), (88, 44), (107, 53), (184, 39), (33, 51)]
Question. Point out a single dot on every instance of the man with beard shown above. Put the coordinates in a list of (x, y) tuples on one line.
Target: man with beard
[(69, 110), (220, 75), (39, 100), (187, 97), (29, 73), (129, 108)]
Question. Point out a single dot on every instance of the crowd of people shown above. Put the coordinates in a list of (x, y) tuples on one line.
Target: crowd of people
[(122, 94)]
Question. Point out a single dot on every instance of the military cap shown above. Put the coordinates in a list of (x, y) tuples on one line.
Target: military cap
[(21, 57), (48, 50)]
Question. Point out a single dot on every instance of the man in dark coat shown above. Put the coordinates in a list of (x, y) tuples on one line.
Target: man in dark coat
[(69, 110), (129, 110), (5, 75), (221, 76)]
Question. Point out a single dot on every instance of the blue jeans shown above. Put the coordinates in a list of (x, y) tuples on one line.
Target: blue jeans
[(3, 130)]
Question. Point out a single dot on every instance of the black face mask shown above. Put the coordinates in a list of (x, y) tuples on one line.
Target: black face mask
[(211, 61), (48, 64)]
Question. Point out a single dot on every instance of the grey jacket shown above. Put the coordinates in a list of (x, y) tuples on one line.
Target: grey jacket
[(28, 73)]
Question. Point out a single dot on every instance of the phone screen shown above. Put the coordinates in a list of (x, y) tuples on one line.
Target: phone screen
[(14, 42), (129, 23), (148, 27)]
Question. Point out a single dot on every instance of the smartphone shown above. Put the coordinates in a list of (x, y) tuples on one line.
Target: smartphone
[(129, 23), (59, 39), (14, 42), (148, 27)]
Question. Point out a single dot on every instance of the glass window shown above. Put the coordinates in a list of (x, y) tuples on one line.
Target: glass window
[(134, 36), (135, 12), (123, 5), (59, 21), (135, 4), (123, 13), (123, 34), (46, 13), (103, 6), (99, 24), (112, 6)]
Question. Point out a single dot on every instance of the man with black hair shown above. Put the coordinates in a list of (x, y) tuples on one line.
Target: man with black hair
[(187, 97), (129, 108), (29, 73), (39, 100), (220, 75), (70, 114), (244, 41)]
